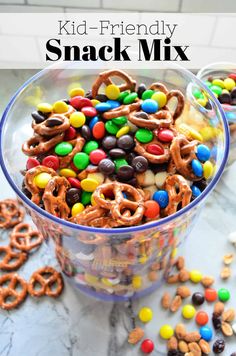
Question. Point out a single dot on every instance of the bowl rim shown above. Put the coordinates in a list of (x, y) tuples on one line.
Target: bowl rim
[(124, 230)]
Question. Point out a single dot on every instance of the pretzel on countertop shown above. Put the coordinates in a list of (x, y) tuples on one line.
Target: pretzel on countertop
[(182, 153), (11, 213), (120, 204), (54, 197), (24, 238), (122, 110), (37, 144), (141, 149), (105, 78), (11, 260), (179, 192), (78, 144), (160, 119), (44, 128), (47, 277), (10, 290), (30, 184)]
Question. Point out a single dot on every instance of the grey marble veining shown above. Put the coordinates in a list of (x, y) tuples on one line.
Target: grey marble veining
[(74, 325)]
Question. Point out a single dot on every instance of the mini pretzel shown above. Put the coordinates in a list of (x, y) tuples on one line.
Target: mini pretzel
[(24, 238), (54, 197), (37, 144), (64, 262), (105, 78), (11, 260), (78, 145), (43, 129), (30, 184), (47, 277), (142, 150), (159, 87), (10, 213), (87, 216), (119, 204), (179, 193), (10, 291), (122, 110), (182, 153), (162, 118)]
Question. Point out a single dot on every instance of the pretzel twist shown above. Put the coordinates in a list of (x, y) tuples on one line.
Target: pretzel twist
[(46, 282), (43, 129), (11, 213), (54, 197), (30, 184), (122, 110), (12, 260), (121, 204), (159, 87), (179, 193), (105, 78), (160, 119), (141, 149), (78, 145), (11, 291), (24, 238), (37, 144)]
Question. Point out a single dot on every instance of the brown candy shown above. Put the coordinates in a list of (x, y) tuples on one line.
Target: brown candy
[(48, 278)]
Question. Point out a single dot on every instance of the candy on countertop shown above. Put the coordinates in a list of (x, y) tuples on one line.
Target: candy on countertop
[(188, 311)]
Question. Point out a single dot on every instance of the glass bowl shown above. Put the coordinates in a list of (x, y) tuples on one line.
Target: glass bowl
[(110, 264)]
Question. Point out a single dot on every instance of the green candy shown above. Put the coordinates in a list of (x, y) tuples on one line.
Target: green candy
[(119, 162), (90, 146), (130, 98), (63, 148), (208, 84), (144, 135), (111, 127), (198, 94), (86, 197), (147, 94), (81, 160), (121, 120), (216, 89), (122, 95), (223, 294)]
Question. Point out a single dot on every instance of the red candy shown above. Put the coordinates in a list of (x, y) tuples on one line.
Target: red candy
[(99, 130), (232, 76), (152, 209), (211, 294), (155, 149), (165, 135), (96, 156), (72, 166), (201, 318), (74, 182), (51, 162), (31, 163), (70, 134), (89, 111), (78, 102), (147, 346)]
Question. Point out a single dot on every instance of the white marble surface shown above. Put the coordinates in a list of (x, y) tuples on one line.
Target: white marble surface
[(74, 325)]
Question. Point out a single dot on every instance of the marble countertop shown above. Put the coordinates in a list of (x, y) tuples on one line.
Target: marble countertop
[(74, 325)]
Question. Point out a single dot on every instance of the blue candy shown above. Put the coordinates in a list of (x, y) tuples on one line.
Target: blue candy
[(103, 107), (124, 195), (196, 191), (203, 153), (197, 168), (149, 106), (94, 120), (161, 197), (113, 103), (206, 333)]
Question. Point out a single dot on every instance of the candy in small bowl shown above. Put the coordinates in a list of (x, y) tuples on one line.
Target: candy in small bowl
[(114, 171)]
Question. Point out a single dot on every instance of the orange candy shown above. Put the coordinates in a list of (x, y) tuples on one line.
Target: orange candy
[(99, 130), (201, 318), (211, 294), (152, 209)]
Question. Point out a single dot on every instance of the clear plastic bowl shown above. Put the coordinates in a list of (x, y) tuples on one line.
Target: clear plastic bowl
[(111, 264)]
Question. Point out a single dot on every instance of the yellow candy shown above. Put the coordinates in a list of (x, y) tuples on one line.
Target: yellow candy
[(112, 91), (89, 278), (174, 252), (160, 98), (123, 131), (143, 259), (76, 92), (106, 282), (44, 107), (42, 179), (99, 177), (77, 119), (202, 102), (195, 276), (188, 311), (67, 172), (95, 102), (77, 208), (73, 85), (93, 201), (229, 84), (189, 132), (219, 82), (145, 314), (208, 170), (89, 184), (207, 133), (166, 332), (60, 107), (225, 91), (137, 282)]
